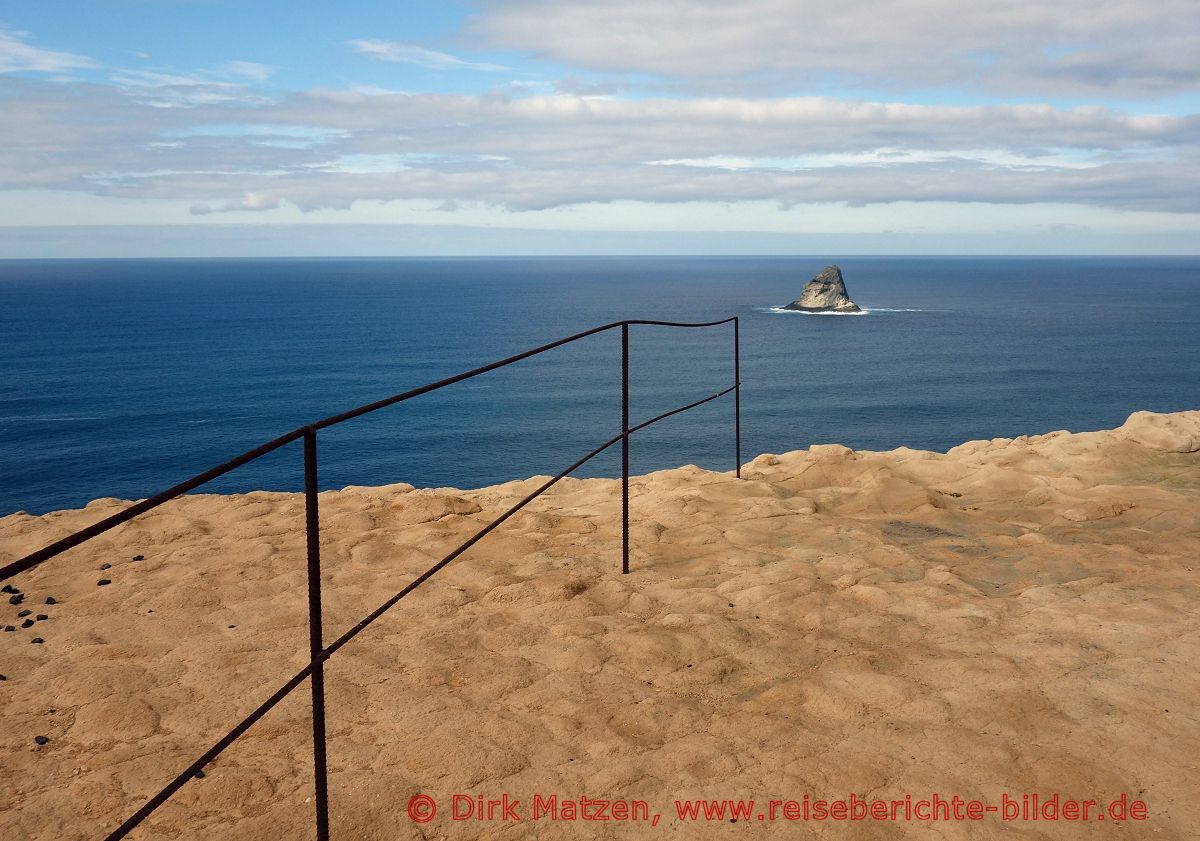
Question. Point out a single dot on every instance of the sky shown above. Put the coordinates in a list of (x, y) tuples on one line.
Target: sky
[(267, 128)]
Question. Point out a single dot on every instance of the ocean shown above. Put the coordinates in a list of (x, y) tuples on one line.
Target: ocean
[(123, 377)]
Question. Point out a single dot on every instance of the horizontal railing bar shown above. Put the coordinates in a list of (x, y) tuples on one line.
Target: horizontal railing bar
[(209, 755), (245, 724), (457, 378), (429, 573), (665, 415), (675, 323), (58, 547), (483, 369)]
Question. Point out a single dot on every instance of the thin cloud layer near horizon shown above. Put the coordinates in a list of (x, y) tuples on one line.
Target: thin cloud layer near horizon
[(889, 126)]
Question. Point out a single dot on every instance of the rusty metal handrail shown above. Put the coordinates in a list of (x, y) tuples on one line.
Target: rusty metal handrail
[(318, 652)]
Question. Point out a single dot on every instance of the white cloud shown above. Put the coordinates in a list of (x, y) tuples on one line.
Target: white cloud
[(168, 89), (133, 77), (724, 138), (1066, 47), (251, 70), (331, 149), (400, 53), (231, 74), (255, 202), (17, 55), (883, 156)]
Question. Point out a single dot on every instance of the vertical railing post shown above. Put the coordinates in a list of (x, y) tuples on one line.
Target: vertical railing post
[(315, 644), (625, 448), (737, 397)]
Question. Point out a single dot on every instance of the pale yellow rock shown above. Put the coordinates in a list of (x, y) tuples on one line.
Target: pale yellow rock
[(1016, 615), (1164, 432)]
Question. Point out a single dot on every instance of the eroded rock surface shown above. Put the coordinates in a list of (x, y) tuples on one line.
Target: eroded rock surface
[(1016, 615), (825, 293)]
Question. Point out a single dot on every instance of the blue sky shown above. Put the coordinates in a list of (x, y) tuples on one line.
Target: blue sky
[(303, 49), (553, 126)]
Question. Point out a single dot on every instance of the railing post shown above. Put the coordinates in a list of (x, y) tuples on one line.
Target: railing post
[(625, 448), (737, 398), (315, 645)]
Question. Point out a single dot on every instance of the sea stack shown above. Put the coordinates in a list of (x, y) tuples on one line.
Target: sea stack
[(825, 293)]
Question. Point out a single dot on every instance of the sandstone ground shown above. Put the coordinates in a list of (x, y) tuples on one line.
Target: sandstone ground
[(1016, 615)]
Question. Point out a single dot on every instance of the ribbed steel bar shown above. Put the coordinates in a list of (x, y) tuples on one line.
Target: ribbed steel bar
[(208, 756), (625, 449), (737, 398), (321, 656), (60, 546), (312, 528), (44, 554), (429, 573), (318, 654)]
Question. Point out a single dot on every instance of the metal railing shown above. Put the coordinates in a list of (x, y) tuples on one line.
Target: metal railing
[(318, 652)]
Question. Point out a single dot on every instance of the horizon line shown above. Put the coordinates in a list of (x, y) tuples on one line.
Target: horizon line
[(630, 256)]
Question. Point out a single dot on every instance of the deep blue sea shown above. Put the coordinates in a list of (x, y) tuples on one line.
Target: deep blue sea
[(123, 377)]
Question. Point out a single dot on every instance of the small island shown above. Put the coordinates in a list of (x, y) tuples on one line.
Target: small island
[(825, 293)]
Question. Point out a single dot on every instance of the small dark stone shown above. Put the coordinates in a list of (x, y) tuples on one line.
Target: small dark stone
[(199, 775), (731, 604), (233, 626), (3, 677), (37, 640), (51, 600), (10, 627), (41, 740), (103, 582), (41, 617), (24, 613), (28, 623), (139, 557), (8, 588), (105, 566), (17, 599)]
